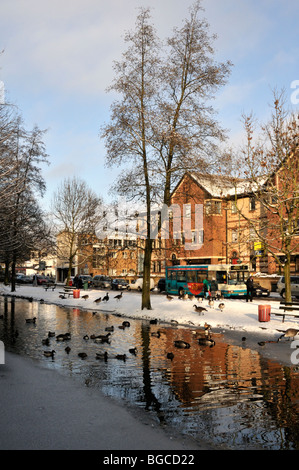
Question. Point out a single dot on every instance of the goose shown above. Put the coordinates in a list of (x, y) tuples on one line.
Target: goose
[(211, 302), (126, 324), (102, 338), (156, 334), (170, 355), (63, 337), (206, 342), (49, 353), (199, 309), (83, 355), (60, 338), (97, 301), (61, 296), (31, 320), (109, 328), (119, 296), (67, 349), (289, 333), (85, 297), (168, 297), (122, 357), (133, 351), (153, 321), (181, 344), (102, 356), (106, 297), (86, 337), (46, 341), (51, 334), (221, 306)]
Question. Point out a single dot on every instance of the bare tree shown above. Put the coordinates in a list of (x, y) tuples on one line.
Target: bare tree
[(163, 122), (269, 161), (76, 210), (21, 153)]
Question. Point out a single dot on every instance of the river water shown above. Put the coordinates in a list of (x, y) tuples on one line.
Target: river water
[(228, 395)]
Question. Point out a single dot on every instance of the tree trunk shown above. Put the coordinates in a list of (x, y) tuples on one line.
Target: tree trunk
[(146, 298), (287, 279), (13, 274)]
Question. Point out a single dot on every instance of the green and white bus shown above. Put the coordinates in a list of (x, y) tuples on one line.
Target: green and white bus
[(231, 279)]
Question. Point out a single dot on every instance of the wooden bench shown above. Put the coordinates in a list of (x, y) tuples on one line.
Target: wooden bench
[(49, 286), (288, 307), (68, 290)]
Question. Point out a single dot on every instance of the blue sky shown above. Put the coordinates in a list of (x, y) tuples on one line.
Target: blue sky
[(57, 65)]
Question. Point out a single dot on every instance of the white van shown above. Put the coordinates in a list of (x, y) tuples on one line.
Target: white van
[(137, 285), (294, 286)]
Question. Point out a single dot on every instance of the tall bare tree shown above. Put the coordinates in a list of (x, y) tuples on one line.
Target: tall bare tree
[(163, 122)]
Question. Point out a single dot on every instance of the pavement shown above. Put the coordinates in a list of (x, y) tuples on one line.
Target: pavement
[(43, 410)]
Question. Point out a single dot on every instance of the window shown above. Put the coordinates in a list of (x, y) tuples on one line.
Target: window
[(197, 237), (191, 276), (234, 236), (187, 208), (213, 207), (181, 276)]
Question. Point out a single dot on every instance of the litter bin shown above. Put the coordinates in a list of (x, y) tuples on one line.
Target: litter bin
[(85, 285), (264, 312), (76, 293)]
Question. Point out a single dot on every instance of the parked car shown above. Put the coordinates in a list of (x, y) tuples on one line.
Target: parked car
[(44, 280), (119, 284), (101, 281), (162, 284), (137, 285), (294, 286), (23, 279), (259, 291), (86, 278)]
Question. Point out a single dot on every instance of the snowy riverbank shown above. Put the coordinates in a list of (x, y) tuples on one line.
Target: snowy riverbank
[(237, 313)]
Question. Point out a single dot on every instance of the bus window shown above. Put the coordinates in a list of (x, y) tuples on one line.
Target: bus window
[(221, 277), (181, 276), (171, 275), (201, 276), (191, 276)]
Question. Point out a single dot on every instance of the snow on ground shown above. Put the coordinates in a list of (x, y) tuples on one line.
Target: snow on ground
[(237, 313)]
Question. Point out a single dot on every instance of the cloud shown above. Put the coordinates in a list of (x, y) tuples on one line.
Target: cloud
[(70, 44)]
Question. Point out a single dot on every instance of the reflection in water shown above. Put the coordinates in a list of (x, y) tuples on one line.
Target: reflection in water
[(224, 394)]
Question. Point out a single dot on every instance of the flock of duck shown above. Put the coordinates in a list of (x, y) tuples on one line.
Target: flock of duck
[(204, 340), (203, 337), (98, 339)]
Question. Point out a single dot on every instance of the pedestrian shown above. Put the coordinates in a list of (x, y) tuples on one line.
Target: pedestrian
[(206, 288), (213, 288), (249, 284), (35, 280), (76, 281)]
